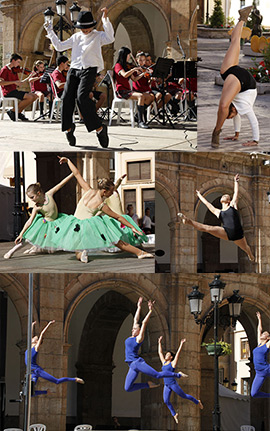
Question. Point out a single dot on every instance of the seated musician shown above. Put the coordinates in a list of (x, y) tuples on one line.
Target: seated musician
[(123, 71), (9, 80), (59, 74), (142, 84), (37, 87)]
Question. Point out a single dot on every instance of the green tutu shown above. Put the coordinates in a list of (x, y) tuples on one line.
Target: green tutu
[(71, 234)]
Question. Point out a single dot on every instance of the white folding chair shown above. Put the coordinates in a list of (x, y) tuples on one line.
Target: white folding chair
[(13, 429), (247, 428), (120, 102), (5, 102), (37, 427), (83, 428), (56, 100)]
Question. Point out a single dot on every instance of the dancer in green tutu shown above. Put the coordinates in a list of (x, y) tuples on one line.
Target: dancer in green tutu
[(108, 229)]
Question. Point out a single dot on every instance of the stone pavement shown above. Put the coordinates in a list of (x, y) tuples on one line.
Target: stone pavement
[(66, 262), (43, 136), (212, 52)]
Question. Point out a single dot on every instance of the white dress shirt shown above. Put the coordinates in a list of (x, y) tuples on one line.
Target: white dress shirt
[(244, 104), (86, 49)]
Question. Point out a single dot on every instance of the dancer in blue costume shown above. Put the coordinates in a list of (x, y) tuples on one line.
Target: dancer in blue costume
[(261, 365), (37, 371), (169, 362), (110, 229), (135, 362)]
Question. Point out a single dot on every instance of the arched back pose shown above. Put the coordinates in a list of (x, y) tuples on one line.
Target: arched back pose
[(45, 210), (262, 367), (232, 229), (122, 74), (97, 233), (135, 362), (169, 362), (36, 370), (239, 90)]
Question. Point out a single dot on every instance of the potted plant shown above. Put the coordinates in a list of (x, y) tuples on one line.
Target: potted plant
[(217, 19), (222, 348)]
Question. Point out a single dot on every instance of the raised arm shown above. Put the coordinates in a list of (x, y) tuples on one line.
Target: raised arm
[(37, 346), (60, 185), (211, 207), (120, 218), (26, 225), (259, 327), (119, 181), (176, 358), (145, 321), (160, 351), (84, 185), (138, 311), (235, 191)]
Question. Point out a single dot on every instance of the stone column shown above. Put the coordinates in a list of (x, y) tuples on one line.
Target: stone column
[(11, 11)]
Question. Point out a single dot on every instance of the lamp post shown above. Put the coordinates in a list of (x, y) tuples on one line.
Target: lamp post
[(235, 303), (74, 12), (234, 386), (226, 382), (61, 10)]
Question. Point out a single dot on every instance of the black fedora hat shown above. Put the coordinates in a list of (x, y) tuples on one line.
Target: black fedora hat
[(85, 20)]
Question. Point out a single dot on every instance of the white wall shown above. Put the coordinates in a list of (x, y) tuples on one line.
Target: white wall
[(242, 368), (162, 229)]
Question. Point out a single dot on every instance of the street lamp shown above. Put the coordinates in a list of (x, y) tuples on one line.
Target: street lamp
[(61, 10), (235, 303), (234, 386), (48, 15), (74, 12), (226, 382)]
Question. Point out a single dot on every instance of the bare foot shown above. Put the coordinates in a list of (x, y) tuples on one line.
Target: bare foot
[(183, 218), (183, 375), (250, 144), (153, 385), (200, 404), (176, 417), (144, 255), (8, 255), (78, 380)]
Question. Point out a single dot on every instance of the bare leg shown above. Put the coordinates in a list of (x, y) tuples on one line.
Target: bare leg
[(242, 243), (232, 55), (176, 417), (16, 247), (230, 89), (131, 249), (217, 231)]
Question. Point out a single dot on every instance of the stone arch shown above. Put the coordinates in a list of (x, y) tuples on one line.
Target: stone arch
[(166, 188)]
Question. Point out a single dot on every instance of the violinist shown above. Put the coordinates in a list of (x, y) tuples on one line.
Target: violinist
[(59, 74), (37, 87), (9, 80), (142, 83), (122, 74)]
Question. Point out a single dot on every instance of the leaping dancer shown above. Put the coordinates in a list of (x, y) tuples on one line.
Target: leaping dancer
[(261, 365), (232, 229), (36, 370), (239, 90), (135, 362), (169, 362)]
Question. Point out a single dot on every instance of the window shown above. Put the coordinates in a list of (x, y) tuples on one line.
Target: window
[(245, 386), (129, 198), (242, 3), (245, 352), (221, 375), (139, 171), (148, 198)]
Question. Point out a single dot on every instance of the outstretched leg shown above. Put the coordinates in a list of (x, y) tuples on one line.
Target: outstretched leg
[(232, 55), (167, 391), (256, 385), (176, 388), (44, 375), (216, 231), (16, 247), (130, 386), (242, 243)]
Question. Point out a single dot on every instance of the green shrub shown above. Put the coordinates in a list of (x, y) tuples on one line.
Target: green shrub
[(217, 19)]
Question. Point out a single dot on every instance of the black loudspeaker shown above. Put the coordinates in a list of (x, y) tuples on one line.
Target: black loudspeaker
[(178, 69)]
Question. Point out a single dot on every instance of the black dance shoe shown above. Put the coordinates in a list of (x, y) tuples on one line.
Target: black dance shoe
[(70, 137), (103, 137), (22, 117), (11, 115), (143, 125)]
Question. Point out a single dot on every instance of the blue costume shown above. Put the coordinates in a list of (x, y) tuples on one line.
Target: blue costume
[(262, 368), (170, 385), (138, 365), (37, 371)]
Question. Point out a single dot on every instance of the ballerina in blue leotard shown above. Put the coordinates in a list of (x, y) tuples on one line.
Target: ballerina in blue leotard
[(169, 362), (36, 370), (135, 362), (261, 365)]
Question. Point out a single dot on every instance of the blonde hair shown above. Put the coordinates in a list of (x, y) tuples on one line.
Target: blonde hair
[(105, 184), (34, 188)]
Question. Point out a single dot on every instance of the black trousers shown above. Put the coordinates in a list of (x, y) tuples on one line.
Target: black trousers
[(78, 86)]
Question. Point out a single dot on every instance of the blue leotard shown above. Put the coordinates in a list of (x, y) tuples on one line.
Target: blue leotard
[(168, 380), (132, 349), (262, 368)]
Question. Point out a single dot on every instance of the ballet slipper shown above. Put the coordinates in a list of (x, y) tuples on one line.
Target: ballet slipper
[(78, 380), (144, 255), (250, 144), (153, 385), (244, 13), (200, 404), (182, 217), (215, 138), (176, 417), (8, 255), (84, 257), (31, 250)]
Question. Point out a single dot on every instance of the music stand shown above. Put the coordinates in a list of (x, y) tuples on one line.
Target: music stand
[(45, 78), (162, 70), (186, 69)]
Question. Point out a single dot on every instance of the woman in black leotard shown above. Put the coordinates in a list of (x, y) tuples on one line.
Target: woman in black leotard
[(232, 229), (239, 89)]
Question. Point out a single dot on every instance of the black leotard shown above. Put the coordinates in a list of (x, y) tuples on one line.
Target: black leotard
[(231, 223), (247, 81)]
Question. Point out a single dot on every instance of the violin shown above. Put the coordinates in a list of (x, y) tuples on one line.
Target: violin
[(19, 69)]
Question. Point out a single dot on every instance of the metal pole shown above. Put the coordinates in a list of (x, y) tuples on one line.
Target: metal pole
[(27, 405), (17, 204), (216, 412), (207, 11)]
